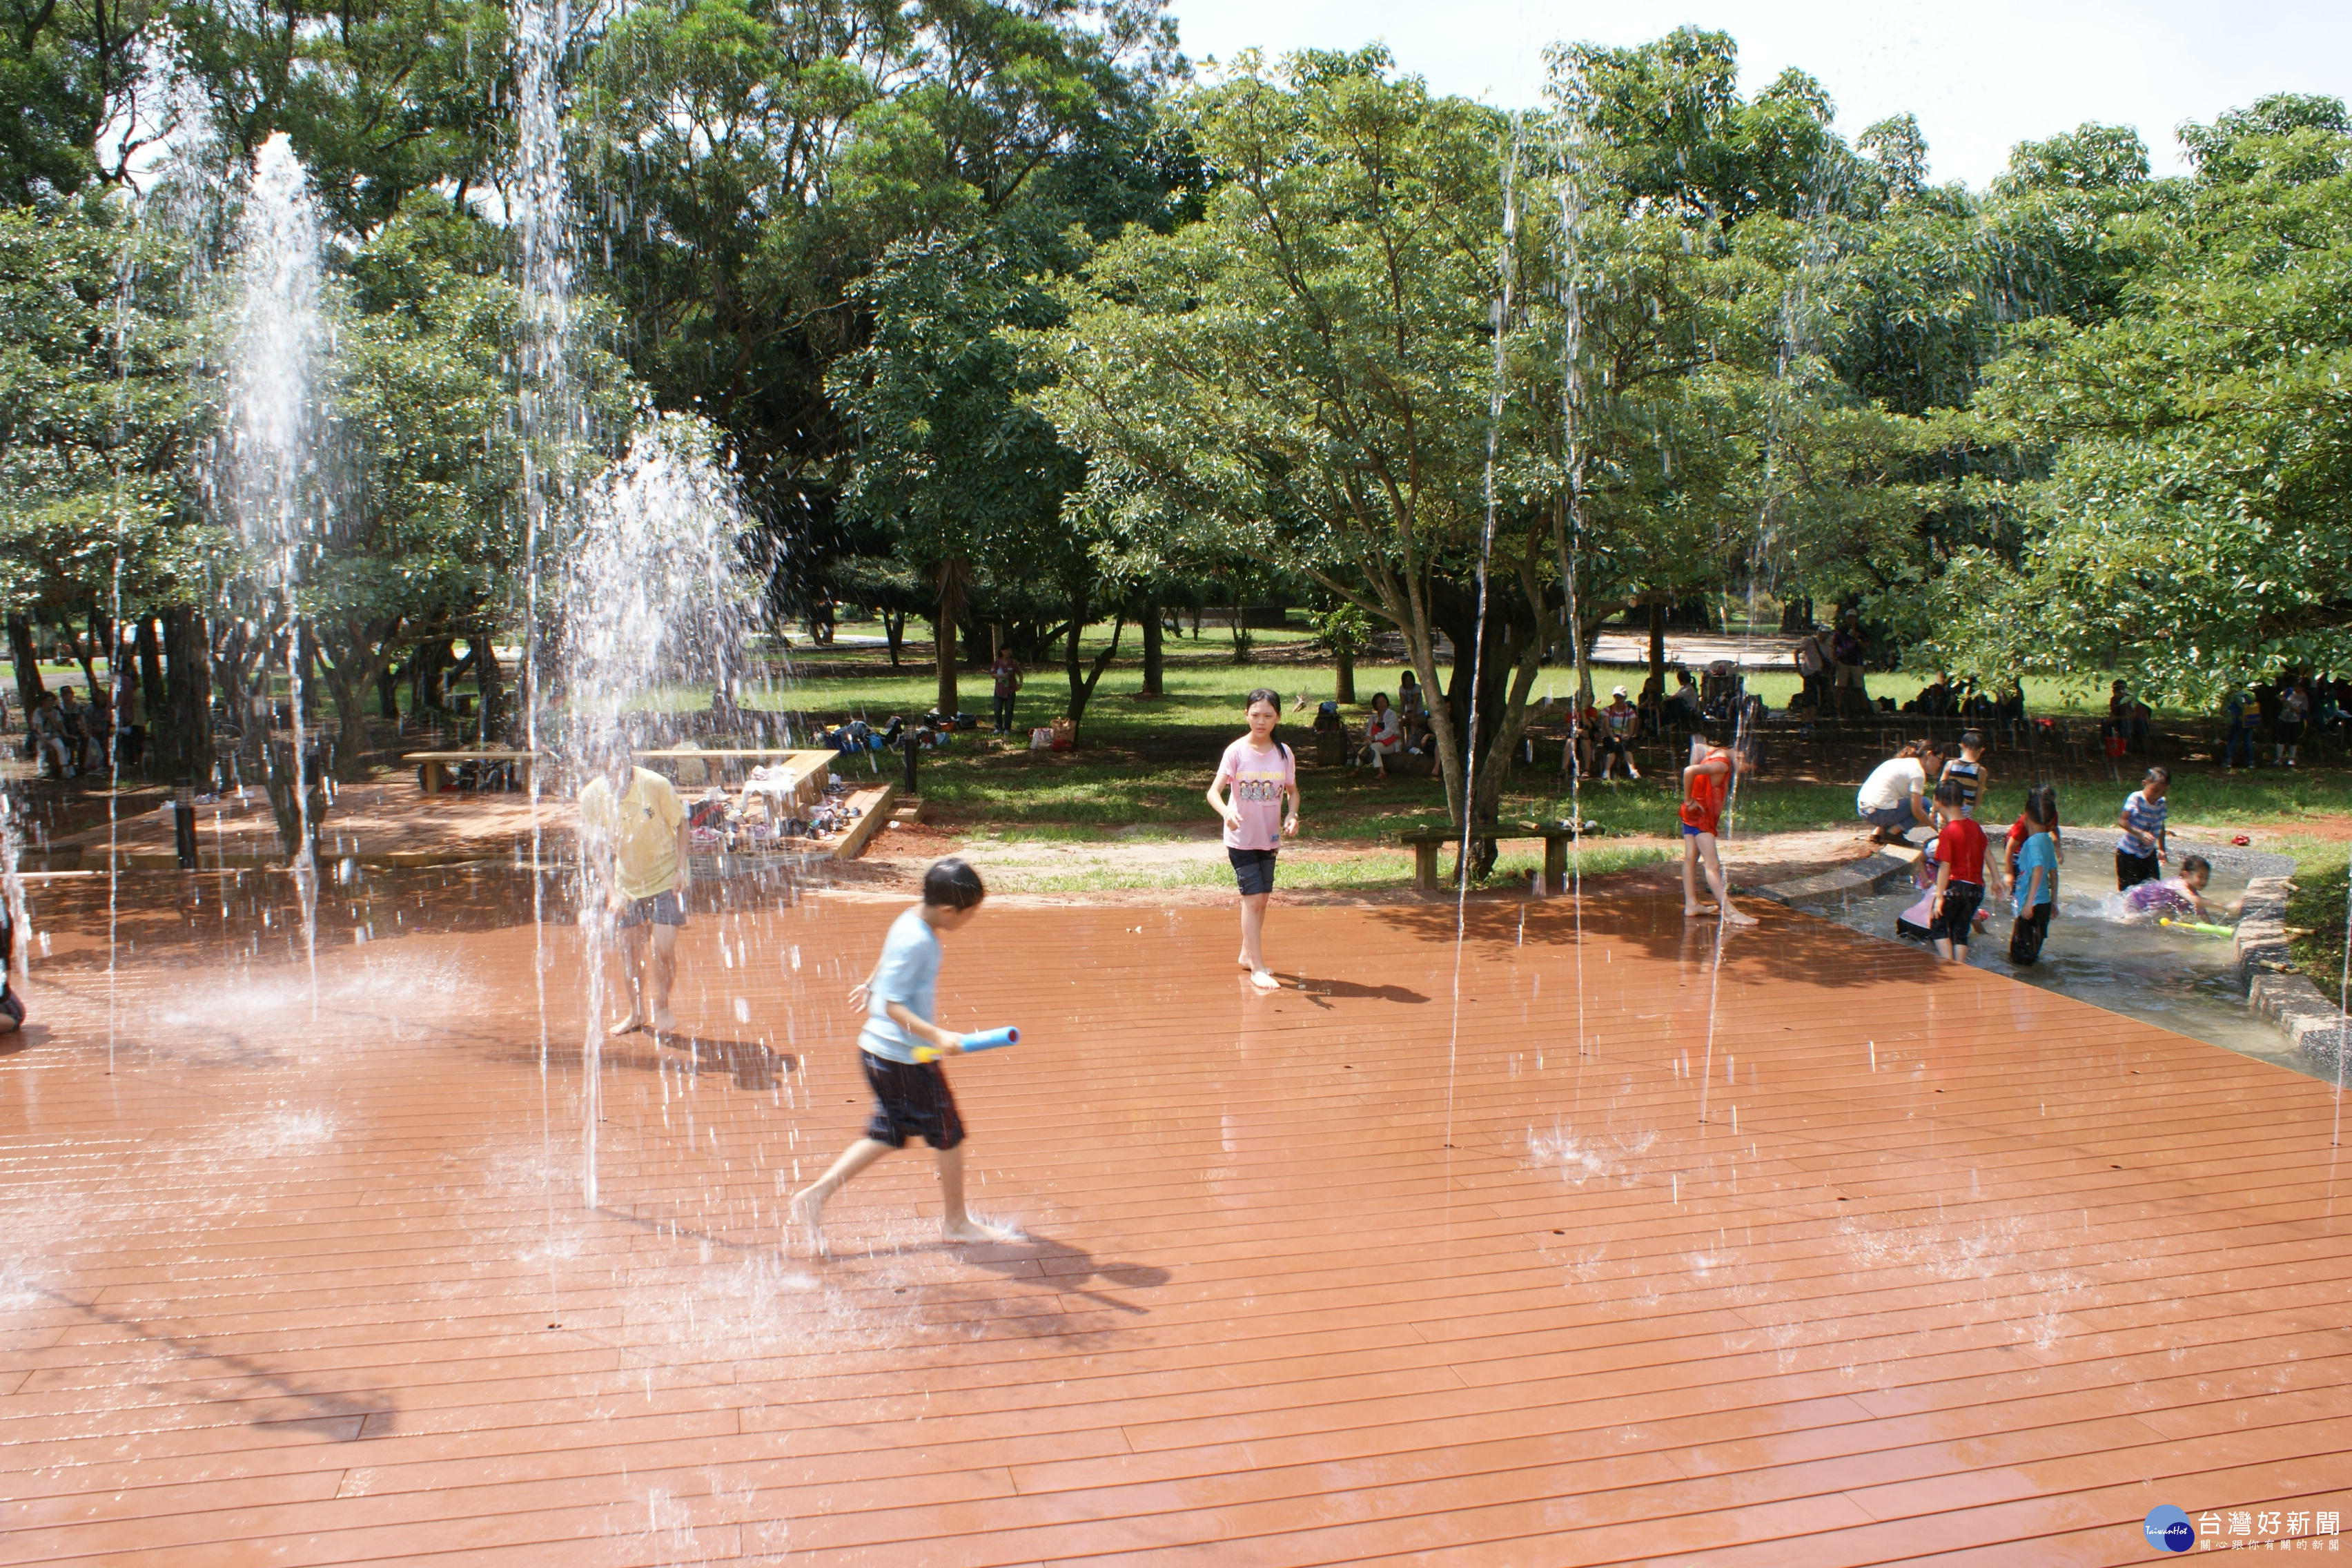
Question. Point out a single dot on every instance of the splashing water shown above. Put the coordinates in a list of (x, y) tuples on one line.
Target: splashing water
[(648, 587), (271, 473)]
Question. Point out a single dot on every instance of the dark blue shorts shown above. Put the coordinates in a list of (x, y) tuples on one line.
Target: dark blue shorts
[(662, 909), (910, 1099), (1960, 901), (1252, 869)]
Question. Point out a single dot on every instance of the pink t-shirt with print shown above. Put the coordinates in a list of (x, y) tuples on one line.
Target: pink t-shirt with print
[(1258, 779)]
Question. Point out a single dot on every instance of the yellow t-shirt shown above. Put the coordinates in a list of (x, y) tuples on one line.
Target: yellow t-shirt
[(641, 828)]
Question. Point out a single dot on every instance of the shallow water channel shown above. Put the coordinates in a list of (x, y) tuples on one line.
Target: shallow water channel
[(2176, 980)]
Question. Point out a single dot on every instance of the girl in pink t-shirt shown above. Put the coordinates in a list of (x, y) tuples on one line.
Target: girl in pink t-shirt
[(1257, 777)]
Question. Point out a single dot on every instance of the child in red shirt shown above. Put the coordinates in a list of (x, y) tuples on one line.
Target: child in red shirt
[(1960, 874), (1707, 785)]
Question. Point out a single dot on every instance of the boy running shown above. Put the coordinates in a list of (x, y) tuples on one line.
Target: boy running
[(1706, 785), (910, 1096)]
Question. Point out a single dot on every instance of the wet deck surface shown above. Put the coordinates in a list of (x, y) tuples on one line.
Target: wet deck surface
[(1889, 1264)]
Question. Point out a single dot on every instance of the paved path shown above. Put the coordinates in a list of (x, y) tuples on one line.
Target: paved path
[(1820, 1255)]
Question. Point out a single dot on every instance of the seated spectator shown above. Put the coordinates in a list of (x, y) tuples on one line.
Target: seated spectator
[(1936, 699), (98, 730), (51, 747), (1383, 737), (1621, 726), (1683, 715), (1894, 798), (1409, 702), (1653, 706)]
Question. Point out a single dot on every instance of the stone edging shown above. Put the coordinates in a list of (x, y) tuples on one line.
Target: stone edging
[(2303, 1012), (1866, 876)]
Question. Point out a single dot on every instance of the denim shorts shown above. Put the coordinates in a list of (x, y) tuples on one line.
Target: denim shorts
[(1252, 869), (662, 909)]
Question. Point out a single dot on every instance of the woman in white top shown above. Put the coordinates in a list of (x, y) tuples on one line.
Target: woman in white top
[(1893, 799), (1383, 737)]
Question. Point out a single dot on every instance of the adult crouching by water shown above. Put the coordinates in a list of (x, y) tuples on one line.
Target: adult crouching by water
[(1256, 779), (1894, 798), (635, 844)]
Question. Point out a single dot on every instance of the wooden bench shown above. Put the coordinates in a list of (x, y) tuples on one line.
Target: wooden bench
[(433, 768), (1426, 840)]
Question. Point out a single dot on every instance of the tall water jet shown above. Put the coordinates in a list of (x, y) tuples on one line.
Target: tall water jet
[(545, 416), (271, 474)]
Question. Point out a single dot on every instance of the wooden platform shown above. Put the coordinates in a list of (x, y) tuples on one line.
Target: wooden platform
[(1824, 1255)]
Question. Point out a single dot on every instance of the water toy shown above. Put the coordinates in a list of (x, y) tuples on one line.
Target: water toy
[(2201, 929), (994, 1039)]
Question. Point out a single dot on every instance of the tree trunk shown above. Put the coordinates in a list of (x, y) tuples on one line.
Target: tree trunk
[(1494, 767), (1154, 661), (432, 659), (388, 695), (29, 690), (894, 632), (950, 578), (491, 681), (1343, 685), (1658, 642), (188, 702), (1082, 682), (152, 700), (87, 652), (305, 654)]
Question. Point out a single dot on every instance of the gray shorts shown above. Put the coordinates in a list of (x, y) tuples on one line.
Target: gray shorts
[(661, 909)]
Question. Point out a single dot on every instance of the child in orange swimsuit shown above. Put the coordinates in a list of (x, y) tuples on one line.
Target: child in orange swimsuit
[(1707, 785)]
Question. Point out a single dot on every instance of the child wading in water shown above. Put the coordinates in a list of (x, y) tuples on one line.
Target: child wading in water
[(1960, 875), (1255, 779), (2033, 873), (1706, 785), (910, 1096)]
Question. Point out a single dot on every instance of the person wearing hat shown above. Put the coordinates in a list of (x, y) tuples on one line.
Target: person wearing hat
[(1621, 726)]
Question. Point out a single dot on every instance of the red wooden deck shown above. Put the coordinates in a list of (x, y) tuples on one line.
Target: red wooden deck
[(1825, 1256)]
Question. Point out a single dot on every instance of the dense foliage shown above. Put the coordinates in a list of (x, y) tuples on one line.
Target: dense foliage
[(1007, 320)]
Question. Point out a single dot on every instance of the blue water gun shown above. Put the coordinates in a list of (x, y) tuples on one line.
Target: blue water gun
[(993, 1039)]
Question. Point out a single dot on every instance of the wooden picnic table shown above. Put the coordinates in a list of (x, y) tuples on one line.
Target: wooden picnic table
[(433, 768), (1426, 841)]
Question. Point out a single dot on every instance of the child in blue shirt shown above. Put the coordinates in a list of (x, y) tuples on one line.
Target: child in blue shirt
[(910, 1096), (2036, 880)]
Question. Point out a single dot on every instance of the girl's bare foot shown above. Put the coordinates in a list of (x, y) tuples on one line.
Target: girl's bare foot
[(807, 1216), (628, 1025), (1264, 980), (665, 1023), (1732, 917), (970, 1229), (1247, 961), (1696, 911)]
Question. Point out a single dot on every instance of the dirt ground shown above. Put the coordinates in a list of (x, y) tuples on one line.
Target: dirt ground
[(896, 863)]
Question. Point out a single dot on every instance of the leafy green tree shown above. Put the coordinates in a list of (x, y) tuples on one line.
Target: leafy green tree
[(381, 99), (2190, 530), (96, 424), (82, 93), (754, 160), (1300, 374)]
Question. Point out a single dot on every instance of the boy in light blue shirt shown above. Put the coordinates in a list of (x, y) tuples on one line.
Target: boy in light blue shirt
[(911, 1097), (2036, 880)]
